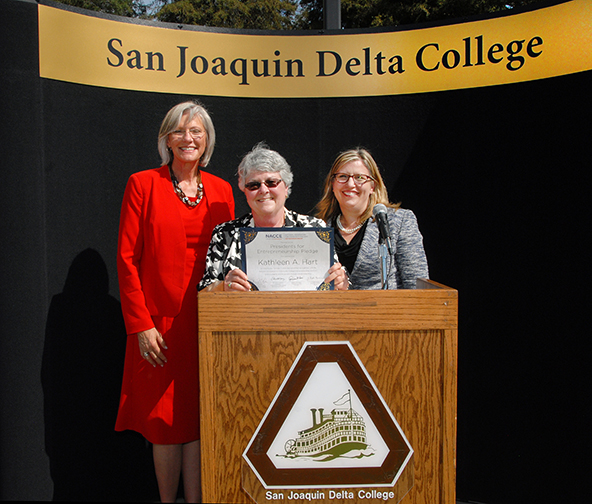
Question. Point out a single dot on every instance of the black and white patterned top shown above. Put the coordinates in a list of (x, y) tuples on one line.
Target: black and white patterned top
[(225, 251)]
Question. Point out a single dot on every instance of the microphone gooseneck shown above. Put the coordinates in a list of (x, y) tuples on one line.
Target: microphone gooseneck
[(381, 218)]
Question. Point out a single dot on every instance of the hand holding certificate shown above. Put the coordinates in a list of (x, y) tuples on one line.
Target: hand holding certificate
[(272, 248), (288, 258)]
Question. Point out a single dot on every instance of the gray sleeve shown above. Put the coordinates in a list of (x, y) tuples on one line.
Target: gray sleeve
[(410, 259)]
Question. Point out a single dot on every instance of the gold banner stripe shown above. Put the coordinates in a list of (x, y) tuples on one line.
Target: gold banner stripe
[(544, 43)]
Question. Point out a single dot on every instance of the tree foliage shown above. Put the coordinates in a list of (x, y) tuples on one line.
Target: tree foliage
[(127, 8), (246, 14), (296, 14), (371, 13)]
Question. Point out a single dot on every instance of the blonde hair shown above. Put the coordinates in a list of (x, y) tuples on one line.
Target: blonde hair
[(328, 207), (171, 122)]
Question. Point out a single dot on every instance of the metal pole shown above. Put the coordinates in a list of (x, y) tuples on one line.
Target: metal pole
[(332, 14), (384, 257)]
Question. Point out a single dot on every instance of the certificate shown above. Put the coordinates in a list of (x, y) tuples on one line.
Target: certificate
[(285, 259)]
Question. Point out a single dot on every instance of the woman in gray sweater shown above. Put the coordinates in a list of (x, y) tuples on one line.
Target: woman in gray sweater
[(352, 188)]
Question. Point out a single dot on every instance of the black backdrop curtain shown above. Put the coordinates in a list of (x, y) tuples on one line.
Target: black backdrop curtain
[(498, 178)]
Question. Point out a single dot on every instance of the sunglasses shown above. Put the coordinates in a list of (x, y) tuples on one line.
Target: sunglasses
[(253, 186)]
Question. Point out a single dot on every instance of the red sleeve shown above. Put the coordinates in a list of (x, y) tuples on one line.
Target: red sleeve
[(221, 198), (130, 247), (230, 202)]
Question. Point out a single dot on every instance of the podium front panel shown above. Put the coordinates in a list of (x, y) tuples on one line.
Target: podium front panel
[(406, 340)]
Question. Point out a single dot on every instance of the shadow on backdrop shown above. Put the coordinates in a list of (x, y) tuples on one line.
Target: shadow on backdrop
[(81, 375)]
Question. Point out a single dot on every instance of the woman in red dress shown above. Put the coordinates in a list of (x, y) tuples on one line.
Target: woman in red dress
[(167, 218)]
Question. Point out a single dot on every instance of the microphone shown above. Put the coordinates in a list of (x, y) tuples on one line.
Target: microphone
[(381, 218)]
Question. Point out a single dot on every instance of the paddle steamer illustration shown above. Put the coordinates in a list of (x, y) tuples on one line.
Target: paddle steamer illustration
[(333, 434)]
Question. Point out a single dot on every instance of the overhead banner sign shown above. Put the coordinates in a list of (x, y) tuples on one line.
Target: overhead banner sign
[(91, 50)]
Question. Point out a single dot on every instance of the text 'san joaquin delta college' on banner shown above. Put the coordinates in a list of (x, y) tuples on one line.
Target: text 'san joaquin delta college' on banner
[(547, 42)]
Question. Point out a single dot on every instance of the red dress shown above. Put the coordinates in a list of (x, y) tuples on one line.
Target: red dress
[(162, 403)]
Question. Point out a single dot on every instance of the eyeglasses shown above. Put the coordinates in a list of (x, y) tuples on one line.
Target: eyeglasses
[(253, 186), (358, 178), (195, 133)]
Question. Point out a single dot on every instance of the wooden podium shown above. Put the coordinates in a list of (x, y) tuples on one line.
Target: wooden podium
[(406, 339)]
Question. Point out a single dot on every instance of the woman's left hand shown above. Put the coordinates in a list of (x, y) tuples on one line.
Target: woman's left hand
[(339, 276), (236, 280)]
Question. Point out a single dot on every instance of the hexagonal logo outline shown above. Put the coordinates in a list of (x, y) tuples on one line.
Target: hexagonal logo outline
[(400, 452)]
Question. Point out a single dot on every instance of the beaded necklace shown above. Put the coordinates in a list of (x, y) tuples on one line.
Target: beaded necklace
[(180, 192)]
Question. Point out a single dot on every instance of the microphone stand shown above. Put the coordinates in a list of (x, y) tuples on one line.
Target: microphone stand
[(384, 257)]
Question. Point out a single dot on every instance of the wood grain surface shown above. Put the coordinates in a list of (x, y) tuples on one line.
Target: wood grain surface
[(407, 341)]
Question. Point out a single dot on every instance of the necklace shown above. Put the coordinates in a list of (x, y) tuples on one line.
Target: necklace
[(345, 230), (180, 192)]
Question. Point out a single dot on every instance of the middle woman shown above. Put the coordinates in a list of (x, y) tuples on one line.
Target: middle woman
[(266, 179)]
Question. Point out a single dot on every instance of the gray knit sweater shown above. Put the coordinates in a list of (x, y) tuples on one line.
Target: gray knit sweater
[(407, 263)]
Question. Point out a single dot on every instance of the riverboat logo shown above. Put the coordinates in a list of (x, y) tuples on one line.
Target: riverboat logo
[(339, 434), (327, 427)]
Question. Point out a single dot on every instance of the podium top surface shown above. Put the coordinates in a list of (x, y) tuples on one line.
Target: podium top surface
[(431, 306)]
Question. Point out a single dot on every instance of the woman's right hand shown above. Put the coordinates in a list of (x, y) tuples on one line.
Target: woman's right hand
[(151, 346)]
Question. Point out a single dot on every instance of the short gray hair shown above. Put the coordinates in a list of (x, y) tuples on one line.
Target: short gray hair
[(171, 122), (262, 159)]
